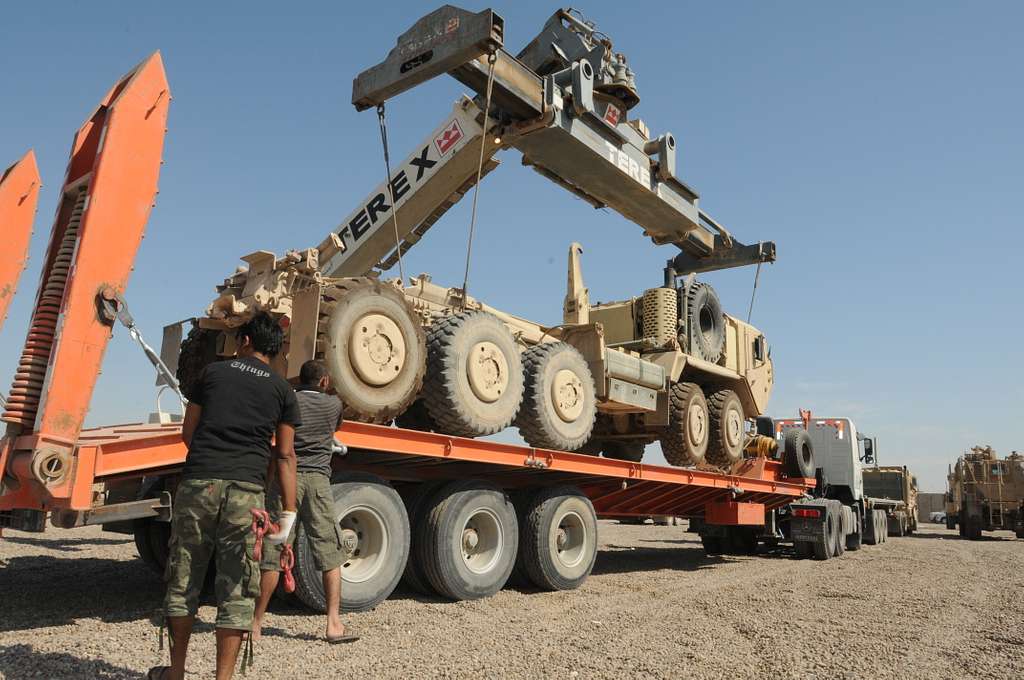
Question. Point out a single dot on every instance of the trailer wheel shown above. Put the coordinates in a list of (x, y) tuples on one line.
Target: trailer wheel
[(415, 497), (798, 453), (803, 549), (374, 348), (559, 405), (726, 435), (373, 530), (824, 546), (474, 382), (152, 541), (684, 441), (470, 536), (713, 545), (558, 539)]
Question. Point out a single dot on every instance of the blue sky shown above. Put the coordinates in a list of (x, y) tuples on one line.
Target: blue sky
[(878, 144)]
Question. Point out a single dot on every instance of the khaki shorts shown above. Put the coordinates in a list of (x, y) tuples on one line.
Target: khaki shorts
[(315, 504), (211, 518)]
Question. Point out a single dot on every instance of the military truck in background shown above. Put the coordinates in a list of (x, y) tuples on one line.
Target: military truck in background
[(895, 490), (986, 493)]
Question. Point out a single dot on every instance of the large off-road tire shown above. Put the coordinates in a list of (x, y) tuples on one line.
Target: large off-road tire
[(373, 529), (198, 350), (870, 529), (706, 322), (797, 454), (559, 405), (558, 538), (840, 543), (726, 432), (684, 441), (416, 417), (416, 497), (856, 538), (474, 380), (374, 348), (469, 540), (824, 546)]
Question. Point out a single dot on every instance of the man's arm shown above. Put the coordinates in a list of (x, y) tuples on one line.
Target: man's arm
[(286, 471), (190, 422)]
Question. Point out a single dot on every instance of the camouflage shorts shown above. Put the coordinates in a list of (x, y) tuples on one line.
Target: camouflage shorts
[(211, 518), (315, 504)]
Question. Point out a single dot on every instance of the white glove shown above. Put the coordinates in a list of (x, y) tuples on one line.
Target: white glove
[(338, 449), (285, 523)]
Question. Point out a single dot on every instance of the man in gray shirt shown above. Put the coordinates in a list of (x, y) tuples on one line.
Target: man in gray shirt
[(314, 447)]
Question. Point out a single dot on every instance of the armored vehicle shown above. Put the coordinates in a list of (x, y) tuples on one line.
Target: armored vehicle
[(986, 493)]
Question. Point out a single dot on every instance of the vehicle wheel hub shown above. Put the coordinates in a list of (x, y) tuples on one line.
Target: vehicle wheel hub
[(733, 428), (487, 371), (567, 395), (377, 349), (697, 422)]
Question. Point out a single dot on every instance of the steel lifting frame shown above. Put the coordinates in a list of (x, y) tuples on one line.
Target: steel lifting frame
[(19, 193)]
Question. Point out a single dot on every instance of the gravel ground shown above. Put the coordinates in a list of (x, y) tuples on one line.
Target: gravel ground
[(78, 604)]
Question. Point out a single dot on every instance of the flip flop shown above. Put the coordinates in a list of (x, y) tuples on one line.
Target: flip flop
[(341, 639), (157, 672)]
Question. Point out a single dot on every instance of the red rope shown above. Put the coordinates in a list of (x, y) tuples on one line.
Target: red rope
[(261, 526)]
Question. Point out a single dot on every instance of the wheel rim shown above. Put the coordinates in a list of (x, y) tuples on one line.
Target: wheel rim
[(487, 371), (567, 395), (570, 540), (482, 541), (733, 429), (377, 349), (365, 540), (697, 424)]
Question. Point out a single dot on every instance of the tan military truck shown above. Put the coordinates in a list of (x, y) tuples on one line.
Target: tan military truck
[(986, 493), (894, 483), (667, 365)]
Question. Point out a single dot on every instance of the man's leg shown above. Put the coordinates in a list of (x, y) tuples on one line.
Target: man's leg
[(180, 631), (229, 641), (268, 584), (271, 563), (332, 588)]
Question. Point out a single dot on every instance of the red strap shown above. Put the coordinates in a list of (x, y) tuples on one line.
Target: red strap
[(261, 526)]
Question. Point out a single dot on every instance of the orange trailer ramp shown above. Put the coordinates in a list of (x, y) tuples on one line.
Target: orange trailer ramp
[(110, 187), (19, 193)]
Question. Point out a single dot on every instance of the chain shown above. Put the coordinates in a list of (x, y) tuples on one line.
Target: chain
[(390, 188), (757, 275)]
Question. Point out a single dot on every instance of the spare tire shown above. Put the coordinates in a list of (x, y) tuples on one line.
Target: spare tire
[(198, 350), (798, 454), (705, 322)]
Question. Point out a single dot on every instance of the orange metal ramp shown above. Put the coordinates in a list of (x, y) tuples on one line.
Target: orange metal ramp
[(19, 193), (105, 201)]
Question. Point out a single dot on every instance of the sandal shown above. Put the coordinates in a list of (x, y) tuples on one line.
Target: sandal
[(341, 639)]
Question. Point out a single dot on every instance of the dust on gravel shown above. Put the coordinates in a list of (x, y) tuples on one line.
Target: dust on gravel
[(79, 604)]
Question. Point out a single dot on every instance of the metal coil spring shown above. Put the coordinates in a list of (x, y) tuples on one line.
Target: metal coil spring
[(27, 388)]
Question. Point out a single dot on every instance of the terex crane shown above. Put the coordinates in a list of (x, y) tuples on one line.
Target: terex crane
[(612, 377)]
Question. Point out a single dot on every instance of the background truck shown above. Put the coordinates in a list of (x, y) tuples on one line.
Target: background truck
[(894, 489), (839, 514), (986, 493), (666, 364)]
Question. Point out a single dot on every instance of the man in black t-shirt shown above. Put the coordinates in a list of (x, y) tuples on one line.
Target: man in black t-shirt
[(233, 411)]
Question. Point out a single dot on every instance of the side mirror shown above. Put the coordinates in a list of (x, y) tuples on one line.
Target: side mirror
[(869, 451)]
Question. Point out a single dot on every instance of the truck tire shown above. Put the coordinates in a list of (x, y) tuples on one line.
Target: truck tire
[(470, 539), (558, 538), (803, 549), (840, 542), (416, 417), (797, 454), (559, 405), (684, 441), (870, 529), (474, 381), (726, 432), (713, 545), (856, 537), (706, 322), (374, 348), (152, 542), (883, 526), (825, 546), (198, 350), (416, 497), (373, 529)]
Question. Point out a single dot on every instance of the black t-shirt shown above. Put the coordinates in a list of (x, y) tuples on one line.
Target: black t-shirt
[(243, 400)]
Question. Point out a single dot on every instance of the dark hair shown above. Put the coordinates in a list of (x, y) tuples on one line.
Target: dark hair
[(264, 333), (312, 371)]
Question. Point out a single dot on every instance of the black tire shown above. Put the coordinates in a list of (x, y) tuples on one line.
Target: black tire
[(824, 546), (883, 526), (416, 417), (369, 514), (539, 419), (950, 522), (742, 540), (474, 381), (840, 542), (713, 545), (416, 497), (152, 542), (803, 549), (706, 322), (726, 432), (797, 454), (624, 449), (395, 350), (453, 510), (558, 539), (855, 539), (684, 441), (870, 529), (198, 350)]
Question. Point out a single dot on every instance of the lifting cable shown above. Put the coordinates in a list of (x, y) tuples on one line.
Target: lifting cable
[(757, 275), (492, 58), (390, 188)]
